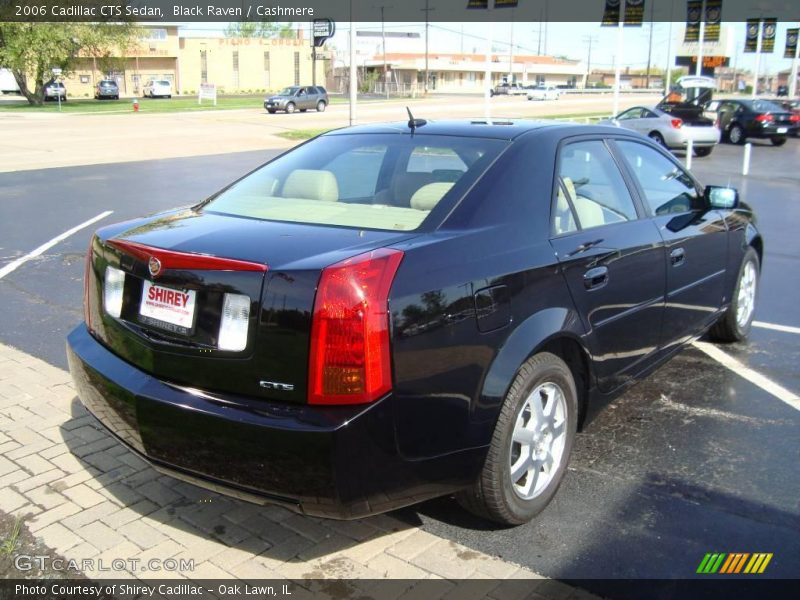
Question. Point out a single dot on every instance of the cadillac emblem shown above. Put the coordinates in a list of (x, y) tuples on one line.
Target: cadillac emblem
[(154, 265)]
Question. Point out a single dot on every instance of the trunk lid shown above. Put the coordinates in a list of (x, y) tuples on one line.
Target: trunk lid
[(686, 100), (204, 256)]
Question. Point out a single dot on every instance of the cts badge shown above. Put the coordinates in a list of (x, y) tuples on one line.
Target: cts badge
[(154, 266), (276, 385)]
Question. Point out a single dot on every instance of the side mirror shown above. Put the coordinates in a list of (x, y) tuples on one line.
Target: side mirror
[(721, 197)]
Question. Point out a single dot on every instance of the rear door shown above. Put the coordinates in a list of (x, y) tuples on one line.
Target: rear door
[(695, 238), (612, 259)]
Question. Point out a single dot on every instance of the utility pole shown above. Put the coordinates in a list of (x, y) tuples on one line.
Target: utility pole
[(353, 72), (383, 45), (590, 39), (650, 45), (426, 10), (511, 51), (699, 71), (667, 82), (793, 72)]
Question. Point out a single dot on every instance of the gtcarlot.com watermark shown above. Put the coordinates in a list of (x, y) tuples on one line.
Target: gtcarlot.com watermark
[(28, 562)]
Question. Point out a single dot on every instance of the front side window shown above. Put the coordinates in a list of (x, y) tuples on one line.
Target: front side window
[(667, 188), (593, 186), (400, 179)]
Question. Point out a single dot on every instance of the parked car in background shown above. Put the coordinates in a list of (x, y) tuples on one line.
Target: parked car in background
[(359, 325), (8, 84), (542, 92), (667, 130), (792, 106), (157, 88), (507, 89), (298, 97), (782, 91), (106, 88), (53, 90), (762, 119)]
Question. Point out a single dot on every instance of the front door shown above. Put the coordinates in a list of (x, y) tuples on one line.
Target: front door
[(612, 259)]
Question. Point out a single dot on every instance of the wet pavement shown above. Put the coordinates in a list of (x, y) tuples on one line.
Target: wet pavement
[(694, 459)]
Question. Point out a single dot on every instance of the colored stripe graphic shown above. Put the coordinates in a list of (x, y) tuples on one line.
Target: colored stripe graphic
[(711, 562)]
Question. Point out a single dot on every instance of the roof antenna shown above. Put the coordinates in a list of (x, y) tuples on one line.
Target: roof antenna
[(412, 122)]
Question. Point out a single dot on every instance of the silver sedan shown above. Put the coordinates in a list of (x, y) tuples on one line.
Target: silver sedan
[(669, 131)]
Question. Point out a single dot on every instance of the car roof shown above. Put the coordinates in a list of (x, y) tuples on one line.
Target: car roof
[(499, 128)]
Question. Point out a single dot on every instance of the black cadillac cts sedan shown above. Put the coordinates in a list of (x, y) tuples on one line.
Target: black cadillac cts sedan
[(390, 313)]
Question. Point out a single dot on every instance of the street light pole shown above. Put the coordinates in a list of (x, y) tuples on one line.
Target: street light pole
[(426, 10), (353, 72), (793, 72), (383, 45)]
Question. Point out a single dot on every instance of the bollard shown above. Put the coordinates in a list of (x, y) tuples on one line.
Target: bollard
[(689, 153), (135, 105), (746, 162)]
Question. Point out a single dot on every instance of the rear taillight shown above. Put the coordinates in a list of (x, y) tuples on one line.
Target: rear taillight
[(234, 323), (113, 286), (676, 123), (764, 118), (349, 361), (795, 118)]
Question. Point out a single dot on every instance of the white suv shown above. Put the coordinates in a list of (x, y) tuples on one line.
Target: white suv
[(157, 88)]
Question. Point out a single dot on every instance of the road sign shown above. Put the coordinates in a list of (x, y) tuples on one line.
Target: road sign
[(323, 29)]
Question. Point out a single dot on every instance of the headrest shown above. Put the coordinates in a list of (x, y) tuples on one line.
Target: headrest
[(312, 185), (428, 196)]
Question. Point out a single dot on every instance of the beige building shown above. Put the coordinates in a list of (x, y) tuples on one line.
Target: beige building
[(234, 65)]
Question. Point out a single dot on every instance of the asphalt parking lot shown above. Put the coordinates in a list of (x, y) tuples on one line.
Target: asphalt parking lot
[(700, 457)]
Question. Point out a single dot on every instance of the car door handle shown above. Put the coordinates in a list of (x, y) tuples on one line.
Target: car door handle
[(595, 278), (677, 257)]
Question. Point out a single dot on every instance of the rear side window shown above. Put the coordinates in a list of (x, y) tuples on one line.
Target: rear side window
[(667, 188), (369, 181), (592, 185)]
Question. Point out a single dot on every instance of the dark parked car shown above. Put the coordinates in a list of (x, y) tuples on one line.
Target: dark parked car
[(782, 91), (742, 119), (299, 98), (55, 89), (389, 313), (107, 88)]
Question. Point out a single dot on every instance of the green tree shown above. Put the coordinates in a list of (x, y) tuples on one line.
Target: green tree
[(260, 29), (32, 50)]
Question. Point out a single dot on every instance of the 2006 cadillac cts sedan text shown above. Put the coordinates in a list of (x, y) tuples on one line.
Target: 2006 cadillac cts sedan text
[(390, 313)]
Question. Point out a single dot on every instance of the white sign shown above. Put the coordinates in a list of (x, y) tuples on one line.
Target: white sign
[(168, 305), (207, 91)]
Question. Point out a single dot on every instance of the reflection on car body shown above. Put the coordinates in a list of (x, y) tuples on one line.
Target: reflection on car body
[(434, 307)]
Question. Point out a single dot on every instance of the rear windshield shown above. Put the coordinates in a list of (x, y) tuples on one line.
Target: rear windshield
[(162, 82), (386, 182), (108, 84), (765, 106)]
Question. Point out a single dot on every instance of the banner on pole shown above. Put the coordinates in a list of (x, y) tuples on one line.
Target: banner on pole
[(713, 20), (751, 35), (769, 29), (634, 13), (791, 43), (611, 14), (694, 12)]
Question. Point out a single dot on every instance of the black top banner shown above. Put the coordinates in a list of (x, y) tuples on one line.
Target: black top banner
[(180, 11), (694, 10), (751, 35), (791, 43), (713, 18), (769, 28)]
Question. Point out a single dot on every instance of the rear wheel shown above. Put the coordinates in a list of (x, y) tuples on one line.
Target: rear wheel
[(703, 151), (777, 140), (290, 107), (321, 106), (658, 138), (530, 446), (736, 135), (735, 323)]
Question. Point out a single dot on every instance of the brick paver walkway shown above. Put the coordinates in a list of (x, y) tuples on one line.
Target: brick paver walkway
[(87, 496)]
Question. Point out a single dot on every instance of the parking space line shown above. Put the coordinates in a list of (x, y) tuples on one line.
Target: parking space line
[(738, 367), (13, 266), (776, 327)]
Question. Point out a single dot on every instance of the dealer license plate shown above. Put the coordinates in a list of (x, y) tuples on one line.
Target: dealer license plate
[(782, 129), (167, 308)]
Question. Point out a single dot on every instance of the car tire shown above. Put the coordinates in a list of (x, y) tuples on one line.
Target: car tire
[(735, 323), (496, 496), (290, 108), (321, 106), (271, 111), (303, 109), (736, 135), (701, 152), (778, 140), (658, 138)]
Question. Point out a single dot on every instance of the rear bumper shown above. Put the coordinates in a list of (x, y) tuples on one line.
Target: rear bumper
[(337, 462), (699, 136)]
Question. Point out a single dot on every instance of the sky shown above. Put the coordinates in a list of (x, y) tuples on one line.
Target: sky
[(559, 39)]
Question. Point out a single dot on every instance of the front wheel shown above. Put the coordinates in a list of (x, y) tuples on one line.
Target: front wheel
[(777, 140), (530, 446), (290, 108), (735, 323), (736, 135), (701, 152)]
